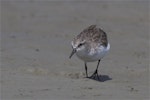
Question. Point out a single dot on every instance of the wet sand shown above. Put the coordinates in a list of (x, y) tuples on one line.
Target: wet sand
[(35, 49)]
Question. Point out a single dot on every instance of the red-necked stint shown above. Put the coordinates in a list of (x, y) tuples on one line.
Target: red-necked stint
[(90, 45)]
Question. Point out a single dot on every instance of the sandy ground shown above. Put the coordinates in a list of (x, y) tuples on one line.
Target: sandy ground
[(35, 46)]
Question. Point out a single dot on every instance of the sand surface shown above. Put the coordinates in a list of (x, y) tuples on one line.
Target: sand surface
[(35, 46)]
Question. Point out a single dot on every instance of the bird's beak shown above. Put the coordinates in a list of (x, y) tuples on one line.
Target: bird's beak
[(72, 53)]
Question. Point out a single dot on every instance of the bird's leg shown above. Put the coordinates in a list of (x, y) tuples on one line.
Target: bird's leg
[(86, 69), (95, 74)]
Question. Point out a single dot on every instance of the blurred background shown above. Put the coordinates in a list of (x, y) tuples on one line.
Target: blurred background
[(35, 46)]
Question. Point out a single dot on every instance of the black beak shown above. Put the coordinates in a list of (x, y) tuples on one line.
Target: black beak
[(72, 53)]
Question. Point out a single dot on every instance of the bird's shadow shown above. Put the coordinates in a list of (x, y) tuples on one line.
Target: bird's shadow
[(102, 78)]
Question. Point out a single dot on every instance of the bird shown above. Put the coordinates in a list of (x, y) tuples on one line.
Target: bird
[(90, 45)]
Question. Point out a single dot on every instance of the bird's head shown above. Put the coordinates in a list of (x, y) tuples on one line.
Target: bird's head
[(77, 45)]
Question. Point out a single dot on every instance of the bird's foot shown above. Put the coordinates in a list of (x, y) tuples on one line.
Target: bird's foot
[(95, 75)]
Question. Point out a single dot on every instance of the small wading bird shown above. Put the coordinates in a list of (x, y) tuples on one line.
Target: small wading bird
[(90, 45)]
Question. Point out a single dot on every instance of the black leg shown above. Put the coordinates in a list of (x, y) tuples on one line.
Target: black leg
[(86, 69), (95, 74)]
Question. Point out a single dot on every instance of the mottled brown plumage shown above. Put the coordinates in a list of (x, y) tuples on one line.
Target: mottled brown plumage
[(93, 34)]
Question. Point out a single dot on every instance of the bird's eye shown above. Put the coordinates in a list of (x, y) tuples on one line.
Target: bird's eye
[(80, 45)]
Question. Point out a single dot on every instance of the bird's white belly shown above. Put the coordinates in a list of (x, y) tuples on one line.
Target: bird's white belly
[(93, 55)]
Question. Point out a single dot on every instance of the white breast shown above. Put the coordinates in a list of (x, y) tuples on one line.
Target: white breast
[(94, 54)]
